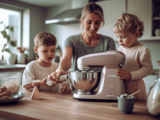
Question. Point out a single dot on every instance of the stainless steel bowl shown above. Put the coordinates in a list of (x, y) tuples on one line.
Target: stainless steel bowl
[(84, 81)]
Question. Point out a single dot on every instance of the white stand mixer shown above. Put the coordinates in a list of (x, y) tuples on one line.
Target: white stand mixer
[(110, 86)]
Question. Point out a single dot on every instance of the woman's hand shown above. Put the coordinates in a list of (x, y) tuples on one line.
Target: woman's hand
[(54, 76), (64, 89), (124, 74)]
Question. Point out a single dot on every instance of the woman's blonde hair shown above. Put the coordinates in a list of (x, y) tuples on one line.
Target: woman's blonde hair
[(130, 22), (93, 8), (44, 38)]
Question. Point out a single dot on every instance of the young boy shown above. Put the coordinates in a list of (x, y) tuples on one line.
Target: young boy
[(37, 71), (138, 65)]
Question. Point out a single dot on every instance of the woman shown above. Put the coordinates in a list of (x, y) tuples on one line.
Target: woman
[(87, 42)]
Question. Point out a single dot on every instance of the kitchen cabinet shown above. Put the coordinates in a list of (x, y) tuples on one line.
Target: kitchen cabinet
[(155, 17), (144, 10), (112, 11)]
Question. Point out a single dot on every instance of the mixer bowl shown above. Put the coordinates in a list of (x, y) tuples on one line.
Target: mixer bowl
[(84, 81)]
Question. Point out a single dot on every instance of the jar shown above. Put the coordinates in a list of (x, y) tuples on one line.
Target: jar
[(157, 32), (153, 100)]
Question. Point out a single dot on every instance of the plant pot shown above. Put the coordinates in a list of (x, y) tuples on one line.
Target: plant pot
[(10, 58), (20, 58)]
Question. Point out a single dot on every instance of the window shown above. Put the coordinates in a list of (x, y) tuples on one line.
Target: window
[(12, 18)]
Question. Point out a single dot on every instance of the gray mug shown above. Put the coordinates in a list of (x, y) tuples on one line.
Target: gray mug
[(126, 105)]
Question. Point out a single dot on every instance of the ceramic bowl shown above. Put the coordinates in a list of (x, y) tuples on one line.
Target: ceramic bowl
[(126, 105)]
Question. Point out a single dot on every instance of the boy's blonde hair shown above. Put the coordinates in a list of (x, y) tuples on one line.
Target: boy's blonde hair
[(93, 8), (44, 38), (129, 22)]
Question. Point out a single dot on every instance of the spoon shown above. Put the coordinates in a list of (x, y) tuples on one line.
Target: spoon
[(134, 93)]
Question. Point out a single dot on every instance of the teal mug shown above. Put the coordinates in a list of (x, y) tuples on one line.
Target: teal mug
[(126, 104)]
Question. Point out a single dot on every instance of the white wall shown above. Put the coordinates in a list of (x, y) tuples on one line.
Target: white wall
[(60, 31), (63, 31)]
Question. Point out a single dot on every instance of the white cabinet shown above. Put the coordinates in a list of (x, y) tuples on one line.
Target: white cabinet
[(156, 18), (143, 9), (112, 11)]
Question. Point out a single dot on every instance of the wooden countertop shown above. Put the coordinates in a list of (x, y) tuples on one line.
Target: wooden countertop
[(56, 106)]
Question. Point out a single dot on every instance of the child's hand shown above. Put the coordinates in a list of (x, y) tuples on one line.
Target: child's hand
[(41, 82), (124, 74), (55, 76), (64, 89), (36, 83), (44, 83)]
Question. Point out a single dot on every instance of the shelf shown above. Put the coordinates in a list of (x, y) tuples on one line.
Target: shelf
[(155, 38), (156, 18), (156, 14), (15, 66)]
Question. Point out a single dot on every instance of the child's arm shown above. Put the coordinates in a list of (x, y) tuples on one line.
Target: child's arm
[(65, 87), (28, 86), (37, 83), (28, 76), (145, 65), (32, 84)]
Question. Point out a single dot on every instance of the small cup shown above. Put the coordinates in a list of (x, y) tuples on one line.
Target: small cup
[(126, 105), (157, 32)]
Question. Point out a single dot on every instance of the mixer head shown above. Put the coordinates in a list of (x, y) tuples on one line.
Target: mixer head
[(111, 59)]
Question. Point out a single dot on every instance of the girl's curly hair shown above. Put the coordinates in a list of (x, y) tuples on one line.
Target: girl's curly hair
[(130, 22)]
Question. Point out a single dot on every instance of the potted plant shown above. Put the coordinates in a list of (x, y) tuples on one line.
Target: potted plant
[(8, 35)]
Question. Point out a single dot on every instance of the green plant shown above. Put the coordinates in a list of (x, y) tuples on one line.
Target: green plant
[(7, 34)]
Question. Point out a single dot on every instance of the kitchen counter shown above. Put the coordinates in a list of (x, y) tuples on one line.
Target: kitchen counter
[(12, 67), (56, 106)]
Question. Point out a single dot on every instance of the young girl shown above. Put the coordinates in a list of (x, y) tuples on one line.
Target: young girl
[(36, 72), (128, 28)]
